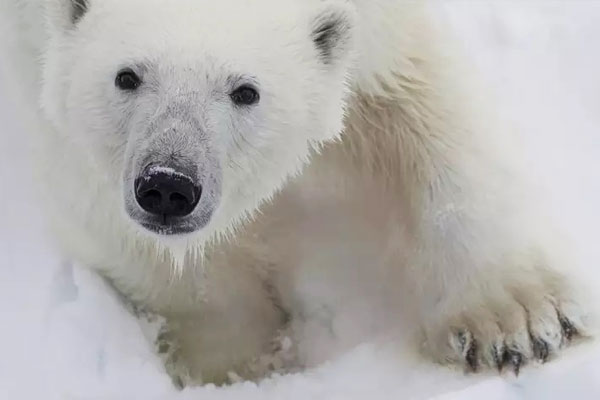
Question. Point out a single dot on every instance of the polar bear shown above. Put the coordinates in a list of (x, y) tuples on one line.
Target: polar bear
[(195, 153)]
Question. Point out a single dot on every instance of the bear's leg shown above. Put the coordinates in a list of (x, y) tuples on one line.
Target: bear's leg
[(482, 267), (224, 332), (193, 354)]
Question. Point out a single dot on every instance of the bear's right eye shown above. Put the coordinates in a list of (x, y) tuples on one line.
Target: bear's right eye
[(245, 96), (128, 80)]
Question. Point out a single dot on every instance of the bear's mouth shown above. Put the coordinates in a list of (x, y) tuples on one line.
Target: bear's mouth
[(168, 229), (171, 226)]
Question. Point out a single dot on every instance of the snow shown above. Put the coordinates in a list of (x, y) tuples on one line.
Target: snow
[(156, 169), (65, 334)]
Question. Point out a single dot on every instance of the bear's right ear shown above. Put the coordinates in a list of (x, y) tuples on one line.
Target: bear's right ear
[(65, 14), (332, 31), (78, 9)]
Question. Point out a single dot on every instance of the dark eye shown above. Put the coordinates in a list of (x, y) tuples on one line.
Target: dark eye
[(128, 80), (245, 96)]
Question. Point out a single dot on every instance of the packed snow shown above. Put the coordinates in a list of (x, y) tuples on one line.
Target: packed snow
[(66, 335)]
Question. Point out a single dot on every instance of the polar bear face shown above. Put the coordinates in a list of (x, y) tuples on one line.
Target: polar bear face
[(196, 111)]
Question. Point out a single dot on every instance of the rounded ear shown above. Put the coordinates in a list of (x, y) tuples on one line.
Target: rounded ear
[(332, 31), (65, 14), (78, 9)]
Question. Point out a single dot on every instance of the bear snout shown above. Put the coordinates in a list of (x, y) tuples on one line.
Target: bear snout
[(165, 192)]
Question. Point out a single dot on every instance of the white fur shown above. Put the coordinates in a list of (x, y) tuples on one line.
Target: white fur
[(421, 179)]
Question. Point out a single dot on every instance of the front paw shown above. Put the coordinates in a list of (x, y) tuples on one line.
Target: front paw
[(168, 348), (506, 323)]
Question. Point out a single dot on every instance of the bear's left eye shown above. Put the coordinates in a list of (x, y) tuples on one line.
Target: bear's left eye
[(245, 96), (128, 80)]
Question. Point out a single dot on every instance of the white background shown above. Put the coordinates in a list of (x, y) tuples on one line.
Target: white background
[(63, 334)]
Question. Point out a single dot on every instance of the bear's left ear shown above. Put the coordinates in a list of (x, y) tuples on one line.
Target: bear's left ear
[(78, 9), (65, 14), (332, 32)]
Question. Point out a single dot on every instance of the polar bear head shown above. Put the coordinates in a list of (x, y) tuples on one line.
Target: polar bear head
[(195, 111)]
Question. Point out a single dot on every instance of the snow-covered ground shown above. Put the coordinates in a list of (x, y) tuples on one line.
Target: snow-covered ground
[(64, 334)]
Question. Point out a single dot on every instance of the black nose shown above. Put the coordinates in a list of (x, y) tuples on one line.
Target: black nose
[(167, 193)]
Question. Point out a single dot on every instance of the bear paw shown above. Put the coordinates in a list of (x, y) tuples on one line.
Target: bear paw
[(167, 347), (506, 326)]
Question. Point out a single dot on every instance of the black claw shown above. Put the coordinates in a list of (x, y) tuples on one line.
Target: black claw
[(498, 356), (513, 359), (162, 336), (163, 348), (471, 356), (541, 350), (569, 331), (462, 339), (178, 383)]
